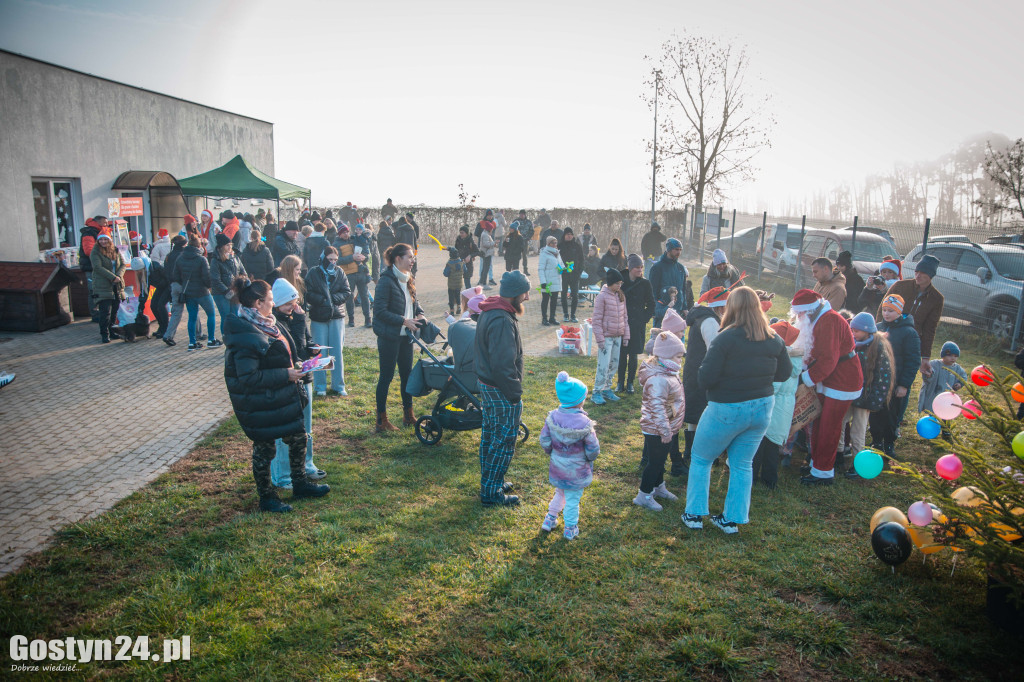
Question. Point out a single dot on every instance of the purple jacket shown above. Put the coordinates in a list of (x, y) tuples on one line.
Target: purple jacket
[(568, 436)]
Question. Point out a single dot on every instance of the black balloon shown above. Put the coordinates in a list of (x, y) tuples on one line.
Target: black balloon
[(891, 543)]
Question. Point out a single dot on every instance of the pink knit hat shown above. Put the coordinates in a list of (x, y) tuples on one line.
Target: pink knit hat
[(474, 303), (673, 322), (471, 292), (668, 346)]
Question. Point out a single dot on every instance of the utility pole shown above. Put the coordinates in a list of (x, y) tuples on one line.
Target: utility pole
[(654, 162)]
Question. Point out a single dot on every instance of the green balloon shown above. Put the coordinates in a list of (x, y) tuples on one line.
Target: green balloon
[(1018, 445)]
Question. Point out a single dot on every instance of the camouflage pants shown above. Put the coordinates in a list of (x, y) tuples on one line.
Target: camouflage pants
[(263, 451)]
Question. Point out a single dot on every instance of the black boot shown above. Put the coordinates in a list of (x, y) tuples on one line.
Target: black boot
[(629, 388), (272, 503), (303, 488), (619, 388)]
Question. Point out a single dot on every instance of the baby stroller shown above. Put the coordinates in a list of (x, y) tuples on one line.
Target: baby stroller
[(457, 407)]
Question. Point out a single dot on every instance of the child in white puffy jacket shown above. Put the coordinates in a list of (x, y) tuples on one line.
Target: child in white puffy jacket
[(611, 332)]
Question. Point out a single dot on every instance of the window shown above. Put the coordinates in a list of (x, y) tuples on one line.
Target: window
[(832, 250), (947, 256), (812, 246), (58, 212), (970, 262)]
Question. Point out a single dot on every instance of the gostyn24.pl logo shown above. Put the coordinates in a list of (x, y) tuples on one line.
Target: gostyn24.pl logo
[(77, 650)]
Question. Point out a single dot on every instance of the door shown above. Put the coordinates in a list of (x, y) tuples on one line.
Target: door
[(970, 290), (947, 279)]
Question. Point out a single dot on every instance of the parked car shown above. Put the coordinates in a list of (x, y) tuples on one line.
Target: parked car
[(1006, 239), (782, 248), (867, 229), (871, 249), (980, 282), (743, 248)]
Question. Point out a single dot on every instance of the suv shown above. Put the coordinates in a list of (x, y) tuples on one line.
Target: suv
[(782, 249), (871, 249), (981, 283)]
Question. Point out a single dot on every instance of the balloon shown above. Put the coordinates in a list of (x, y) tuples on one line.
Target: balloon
[(972, 409), (920, 514), (969, 496), (928, 427), (947, 405), (982, 376), (1005, 532), (1018, 392), (891, 543), (887, 514), (868, 463), (924, 540), (949, 467), (1018, 444)]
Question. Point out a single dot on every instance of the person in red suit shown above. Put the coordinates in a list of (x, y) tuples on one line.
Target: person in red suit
[(830, 367)]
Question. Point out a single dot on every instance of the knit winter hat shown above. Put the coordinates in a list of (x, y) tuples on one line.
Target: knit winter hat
[(950, 348), (805, 301), (787, 332), (893, 302), (474, 303), (864, 322), (673, 322), (845, 259), (668, 345), (612, 276), (291, 226), (471, 292), (673, 243), (634, 260), (513, 283), (571, 392), (104, 235), (283, 292), (890, 265), (192, 220), (929, 265), (715, 297), (222, 239), (718, 257)]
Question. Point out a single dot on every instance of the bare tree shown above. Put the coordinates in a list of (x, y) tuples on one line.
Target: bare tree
[(709, 132), (1006, 171)]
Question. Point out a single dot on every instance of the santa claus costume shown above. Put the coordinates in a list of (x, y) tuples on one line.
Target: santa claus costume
[(828, 369)]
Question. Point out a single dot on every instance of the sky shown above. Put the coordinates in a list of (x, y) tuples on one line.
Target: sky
[(538, 103)]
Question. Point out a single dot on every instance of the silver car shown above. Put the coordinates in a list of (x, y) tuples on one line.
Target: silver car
[(981, 283)]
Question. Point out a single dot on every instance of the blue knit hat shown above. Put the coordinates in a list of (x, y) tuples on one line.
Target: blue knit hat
[(513, 283), (950, 348), (863, 322), (673, 243), (571, 392)]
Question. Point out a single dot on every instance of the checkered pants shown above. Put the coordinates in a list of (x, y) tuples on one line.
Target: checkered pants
[(497, 440)]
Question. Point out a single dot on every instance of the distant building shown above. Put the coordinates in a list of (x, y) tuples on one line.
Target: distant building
[(67, 136)]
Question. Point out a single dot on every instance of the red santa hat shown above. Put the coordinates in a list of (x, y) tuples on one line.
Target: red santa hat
[(804, 301), (715, 297), (162, 232)]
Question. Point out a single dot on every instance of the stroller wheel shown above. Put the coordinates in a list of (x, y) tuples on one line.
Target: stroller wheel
[(428, 430), (524, 433)]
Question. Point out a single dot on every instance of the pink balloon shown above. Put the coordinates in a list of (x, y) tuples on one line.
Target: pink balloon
[(947, 405), (949, 467), (920, 513)]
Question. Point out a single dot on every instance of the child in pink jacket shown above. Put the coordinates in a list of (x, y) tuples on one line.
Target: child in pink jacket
[(611, 332), (661, 416)]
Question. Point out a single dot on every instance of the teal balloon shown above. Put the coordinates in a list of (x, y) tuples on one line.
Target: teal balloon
[(928, 427), (868, 463)]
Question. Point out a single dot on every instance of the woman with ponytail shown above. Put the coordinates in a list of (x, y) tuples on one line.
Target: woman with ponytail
[(266, 392)]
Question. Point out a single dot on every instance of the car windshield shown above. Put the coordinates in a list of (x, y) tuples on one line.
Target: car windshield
[(874, 251), (1007, 264)]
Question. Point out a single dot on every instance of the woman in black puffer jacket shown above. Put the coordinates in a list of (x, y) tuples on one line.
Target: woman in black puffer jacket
[(265, 391), (327, 290), (396, 315)]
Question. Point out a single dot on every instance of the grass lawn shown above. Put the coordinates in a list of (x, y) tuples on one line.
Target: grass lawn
[(399, 572)]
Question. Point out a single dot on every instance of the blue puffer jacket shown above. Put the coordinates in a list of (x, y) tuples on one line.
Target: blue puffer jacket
[(670, 273), (906, 348)]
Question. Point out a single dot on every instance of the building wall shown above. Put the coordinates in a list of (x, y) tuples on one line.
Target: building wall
[(55, 122)]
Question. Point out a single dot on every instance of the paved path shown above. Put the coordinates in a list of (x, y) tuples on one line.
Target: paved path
[(67, 451)]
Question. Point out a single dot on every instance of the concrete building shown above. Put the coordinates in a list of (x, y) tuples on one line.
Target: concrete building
[(66, 137)]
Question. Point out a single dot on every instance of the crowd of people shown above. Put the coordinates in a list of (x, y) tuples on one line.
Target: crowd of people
[(716, 368)]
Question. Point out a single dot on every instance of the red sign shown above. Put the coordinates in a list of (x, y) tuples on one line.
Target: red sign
[(131, 206)]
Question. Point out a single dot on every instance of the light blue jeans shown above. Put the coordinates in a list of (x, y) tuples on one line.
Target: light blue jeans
[(567, 502), (330, 334), (192, 305), (280, 468), (736, 428), (224, 307)]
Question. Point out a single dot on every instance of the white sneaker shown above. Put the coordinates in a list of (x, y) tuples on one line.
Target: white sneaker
[(550, 521), (662, 492), (321, 394), (646, 501), (692, 521)]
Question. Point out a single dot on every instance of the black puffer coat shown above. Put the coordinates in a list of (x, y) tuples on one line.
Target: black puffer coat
[(326, 297), (223, 273), (284, 247), (267, 404), (696, 349), (639, 310), (257, 262), (389, 305), (192, 272)]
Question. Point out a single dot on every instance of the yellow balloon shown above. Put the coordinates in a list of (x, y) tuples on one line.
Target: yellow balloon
[(969, 496), (924, 540), (886, 514), (1005, 532)]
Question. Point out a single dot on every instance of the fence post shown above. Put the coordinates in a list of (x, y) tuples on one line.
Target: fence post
[(1020, 314), (760, 255), (732, 238), (927, 229), (703, 232), (718, 232), (853, 245), (800, 251), (686, 213)]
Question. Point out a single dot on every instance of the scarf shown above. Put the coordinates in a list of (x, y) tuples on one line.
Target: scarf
[(865, 343), (264, 324), (403, 279)]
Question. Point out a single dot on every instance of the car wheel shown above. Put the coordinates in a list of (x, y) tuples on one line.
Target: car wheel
[(1002, 324)]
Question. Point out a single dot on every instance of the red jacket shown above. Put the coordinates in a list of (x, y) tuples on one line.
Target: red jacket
[(829, 365)]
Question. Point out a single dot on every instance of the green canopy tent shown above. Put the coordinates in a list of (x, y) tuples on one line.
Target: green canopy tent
[(236, 179)]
